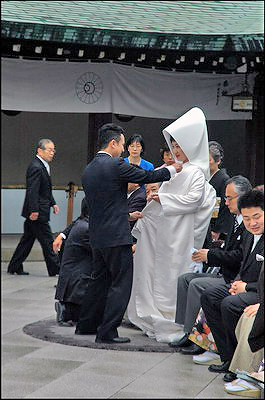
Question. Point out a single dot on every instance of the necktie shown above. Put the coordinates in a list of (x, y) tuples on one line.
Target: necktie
[(236, 225)]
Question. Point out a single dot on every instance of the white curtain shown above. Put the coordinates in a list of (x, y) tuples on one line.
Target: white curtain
[(88, 87)]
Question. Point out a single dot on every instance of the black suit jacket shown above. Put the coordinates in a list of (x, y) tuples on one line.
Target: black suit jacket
[(76, 265), (230, 257), (250, 268), (256, 335), (222, 222), (38, 196), (105, 182), (136, 202)]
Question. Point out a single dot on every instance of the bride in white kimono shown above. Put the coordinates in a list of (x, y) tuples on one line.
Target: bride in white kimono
[(173, 223)]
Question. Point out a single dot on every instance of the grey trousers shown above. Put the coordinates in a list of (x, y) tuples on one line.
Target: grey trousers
[(190, 288)]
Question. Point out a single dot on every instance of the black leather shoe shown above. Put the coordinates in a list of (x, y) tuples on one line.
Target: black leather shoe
[(22, 273), (183, 342), (229, 377), (59, 308), (192, 350), (52, 274), (220, 368), (116, 340)]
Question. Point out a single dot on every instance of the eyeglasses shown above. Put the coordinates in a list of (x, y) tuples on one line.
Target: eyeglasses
[(50, 151), (230, 198)]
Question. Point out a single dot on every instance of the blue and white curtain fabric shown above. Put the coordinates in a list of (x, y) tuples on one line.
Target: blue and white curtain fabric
[(88, 87)]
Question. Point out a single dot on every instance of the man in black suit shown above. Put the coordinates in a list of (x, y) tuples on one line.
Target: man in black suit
[(36, 210), (219, 224), (105, 181), (226, 261), (136, 201), (224, 304), (75, 269)]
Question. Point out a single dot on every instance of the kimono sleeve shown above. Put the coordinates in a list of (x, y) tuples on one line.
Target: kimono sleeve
[(179, 204)]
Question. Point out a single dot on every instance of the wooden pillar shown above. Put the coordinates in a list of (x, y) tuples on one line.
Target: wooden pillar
[(95, 121), (255, 135)]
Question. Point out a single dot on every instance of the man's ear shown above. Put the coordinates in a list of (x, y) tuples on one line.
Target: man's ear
[(112, 142)]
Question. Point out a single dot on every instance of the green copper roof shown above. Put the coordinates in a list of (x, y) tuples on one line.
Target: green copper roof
[(172, 17)]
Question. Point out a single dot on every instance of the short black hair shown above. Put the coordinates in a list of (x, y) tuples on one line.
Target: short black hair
[(253, 198), (164, 149), (135, 138), (107, 133)]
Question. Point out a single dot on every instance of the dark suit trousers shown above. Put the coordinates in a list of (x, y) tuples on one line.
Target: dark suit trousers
[(108, 292), (35, 230), (222, 312)]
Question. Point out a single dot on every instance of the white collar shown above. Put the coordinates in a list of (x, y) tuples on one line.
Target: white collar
[(104, 152), (255, 241), (239, 218), (45, 164), (129, 194)]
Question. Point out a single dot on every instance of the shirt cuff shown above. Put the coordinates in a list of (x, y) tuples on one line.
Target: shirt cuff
[(63, 235), (172, 170)]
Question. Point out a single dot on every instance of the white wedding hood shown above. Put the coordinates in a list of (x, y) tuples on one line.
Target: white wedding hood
[(190, 132)]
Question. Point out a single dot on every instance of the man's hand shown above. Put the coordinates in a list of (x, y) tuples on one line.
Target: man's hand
[(215, 236), (57, 244), (178, 166), (56, 209), (200, 255), (237, 287), (34, 216), (133, 216), (154, 196), (252, 309), (133, 248)]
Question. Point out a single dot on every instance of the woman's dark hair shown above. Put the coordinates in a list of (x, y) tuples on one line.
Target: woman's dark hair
[(216, 151), (164, 149), (108, 132), (253, 198), (135, 138)]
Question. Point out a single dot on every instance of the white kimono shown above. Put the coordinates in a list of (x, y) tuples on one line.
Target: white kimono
[(165, 237)]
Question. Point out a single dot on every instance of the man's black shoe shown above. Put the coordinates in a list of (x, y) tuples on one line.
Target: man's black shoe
[(220, 368), (183, 342), (229, 377), (59, 308), (18, 272), (116, 340), (22, 273), (192, 350), (50, 274)]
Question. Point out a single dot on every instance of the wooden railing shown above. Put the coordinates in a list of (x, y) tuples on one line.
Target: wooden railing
[(71, 189)]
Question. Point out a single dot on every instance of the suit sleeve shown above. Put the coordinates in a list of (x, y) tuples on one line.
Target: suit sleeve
[(33, 188), (53, 202), (179, 204), (68, 228), (137, 205), (225, 258), (129, 173)]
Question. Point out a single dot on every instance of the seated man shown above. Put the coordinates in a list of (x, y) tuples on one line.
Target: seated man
[(192, 285), (136, 202), (74, 271), (151, 188), (223, 304)]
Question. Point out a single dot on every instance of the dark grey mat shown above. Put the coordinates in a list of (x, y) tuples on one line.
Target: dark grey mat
[(50, 331)]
